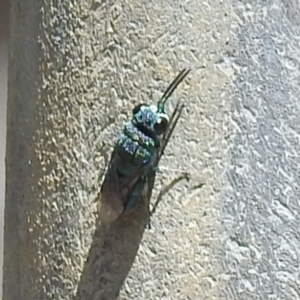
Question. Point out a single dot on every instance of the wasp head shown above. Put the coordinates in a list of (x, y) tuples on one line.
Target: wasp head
[(152, 118)]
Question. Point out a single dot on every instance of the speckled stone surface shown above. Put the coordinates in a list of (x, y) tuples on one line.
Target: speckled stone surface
[(86, 65)]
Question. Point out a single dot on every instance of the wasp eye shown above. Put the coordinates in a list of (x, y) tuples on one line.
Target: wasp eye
[(138, 108), (161, 125)]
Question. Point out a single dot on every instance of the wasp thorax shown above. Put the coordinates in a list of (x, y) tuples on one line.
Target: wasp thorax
[(149, 117)]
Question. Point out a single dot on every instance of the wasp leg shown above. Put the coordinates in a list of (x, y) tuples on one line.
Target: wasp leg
[(166, 189), (156, 169), (136, 194), (148, 224), (173, 122), (146, 201)]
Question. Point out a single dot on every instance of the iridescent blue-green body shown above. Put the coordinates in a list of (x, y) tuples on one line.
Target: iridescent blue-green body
[(137, 150)]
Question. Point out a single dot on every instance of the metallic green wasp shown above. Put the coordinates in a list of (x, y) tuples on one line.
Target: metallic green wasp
[(137, 153)]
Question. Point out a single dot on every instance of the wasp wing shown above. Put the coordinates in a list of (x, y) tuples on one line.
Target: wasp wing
[(116, 190)]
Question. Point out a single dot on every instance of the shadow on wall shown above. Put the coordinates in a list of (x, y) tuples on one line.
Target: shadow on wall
[(117, 242), (3, 93)]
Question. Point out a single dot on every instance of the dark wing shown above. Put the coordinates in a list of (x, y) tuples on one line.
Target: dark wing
[(115, 190)]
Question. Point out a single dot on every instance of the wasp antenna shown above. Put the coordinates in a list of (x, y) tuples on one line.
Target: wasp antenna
[(169, 91)]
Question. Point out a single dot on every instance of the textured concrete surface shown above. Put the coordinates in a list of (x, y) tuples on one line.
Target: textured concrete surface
[(260, 211), (3, 96), (236, 237)]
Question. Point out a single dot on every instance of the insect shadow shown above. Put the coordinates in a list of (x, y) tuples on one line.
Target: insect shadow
[(115, 244)]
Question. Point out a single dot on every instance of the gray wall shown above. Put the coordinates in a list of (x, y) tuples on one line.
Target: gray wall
[(238, 237), (3, 91)]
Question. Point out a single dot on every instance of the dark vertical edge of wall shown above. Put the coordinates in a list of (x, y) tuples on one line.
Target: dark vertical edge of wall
[(4, 5), (22, 92)]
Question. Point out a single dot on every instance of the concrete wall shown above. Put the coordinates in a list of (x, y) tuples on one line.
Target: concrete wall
[(238, 236), (3, 91)]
